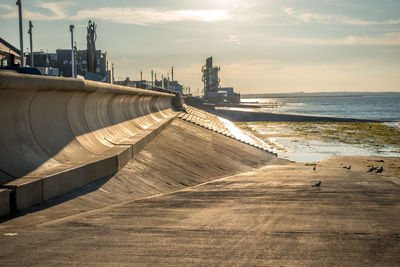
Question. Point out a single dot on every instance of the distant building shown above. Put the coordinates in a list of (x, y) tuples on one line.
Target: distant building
[(103, 65), (9, 54), (213, 92), (231, 96), (216, 97), (46, 63), (176, 87), (158, 84), (210, 76), (59, 63), (48, 71), (42, 59), (64, 63), (135, 84), (172, 85)]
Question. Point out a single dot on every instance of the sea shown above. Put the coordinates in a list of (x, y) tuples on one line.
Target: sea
[(369, 106), (383, 107)]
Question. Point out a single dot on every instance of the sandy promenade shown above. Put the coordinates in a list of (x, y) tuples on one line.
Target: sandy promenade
[(269, 216), (256, 210)]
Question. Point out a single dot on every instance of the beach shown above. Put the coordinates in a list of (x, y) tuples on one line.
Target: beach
[(253, 115), (312, 141)]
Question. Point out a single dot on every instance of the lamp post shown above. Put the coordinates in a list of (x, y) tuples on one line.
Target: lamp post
[(21, 43), (152, 80), (30, 38), (112, 66), (71, 28), (75, 60)]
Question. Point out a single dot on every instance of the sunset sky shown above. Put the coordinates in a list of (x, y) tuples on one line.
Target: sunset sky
[(262, 46)]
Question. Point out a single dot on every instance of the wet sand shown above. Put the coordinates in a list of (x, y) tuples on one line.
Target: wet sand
[(311, 141), (243, 116)]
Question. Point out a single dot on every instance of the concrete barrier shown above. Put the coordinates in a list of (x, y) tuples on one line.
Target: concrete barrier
[(4, 202), (58, 134), (25, 192)]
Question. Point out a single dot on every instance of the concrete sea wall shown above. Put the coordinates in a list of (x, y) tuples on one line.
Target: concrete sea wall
[(58, 134)]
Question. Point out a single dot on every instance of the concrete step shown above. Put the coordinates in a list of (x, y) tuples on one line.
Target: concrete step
[(211, 122)]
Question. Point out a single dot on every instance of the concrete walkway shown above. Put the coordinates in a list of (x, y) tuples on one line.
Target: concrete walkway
[(269, 216)]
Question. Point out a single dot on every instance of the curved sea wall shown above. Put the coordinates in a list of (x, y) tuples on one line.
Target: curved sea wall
[(58, 134)]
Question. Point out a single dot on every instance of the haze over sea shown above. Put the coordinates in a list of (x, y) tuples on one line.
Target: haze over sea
[(370, 106)]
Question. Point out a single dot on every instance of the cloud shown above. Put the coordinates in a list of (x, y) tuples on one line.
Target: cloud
[(388, 39), (11, 11), (146, 16), (6, 7), (126, 15), (234, 39), (330, 19), (57, 11), (245, 11)]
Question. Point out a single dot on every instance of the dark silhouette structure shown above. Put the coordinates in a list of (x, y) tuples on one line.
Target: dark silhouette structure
[(91, 46)]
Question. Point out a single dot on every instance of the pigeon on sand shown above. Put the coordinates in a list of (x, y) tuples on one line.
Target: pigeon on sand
[(317, 184), (372, 168)]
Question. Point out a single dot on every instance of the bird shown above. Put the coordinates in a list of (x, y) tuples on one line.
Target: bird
[(315, 168), (380, 170), (372, 169), (317, 184), (349, 168)]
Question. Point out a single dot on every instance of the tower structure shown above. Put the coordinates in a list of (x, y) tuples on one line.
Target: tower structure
[(91, 47), (210, 76)]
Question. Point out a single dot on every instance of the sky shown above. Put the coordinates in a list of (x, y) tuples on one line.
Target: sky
[(262, 46)]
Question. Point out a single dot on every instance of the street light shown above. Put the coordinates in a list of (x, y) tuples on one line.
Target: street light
[(152, 80), (71, 28), (30, 37), (21, 43), (112, 72)]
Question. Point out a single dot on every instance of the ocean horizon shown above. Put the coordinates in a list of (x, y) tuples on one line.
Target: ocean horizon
[(383, 106)]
